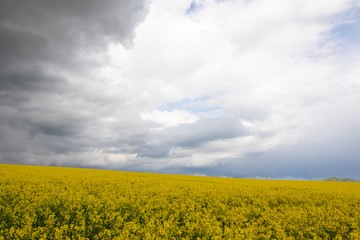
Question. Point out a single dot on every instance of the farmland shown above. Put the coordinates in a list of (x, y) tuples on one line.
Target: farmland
[(69, 203)]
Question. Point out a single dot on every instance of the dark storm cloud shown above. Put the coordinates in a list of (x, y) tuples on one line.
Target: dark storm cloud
[(153, 151), (306, 160), (63, 33), (21, 46), (51, 132), (205, 130), (158, 144), (30, 79), (77, 22), (43, 45), (41, 36), (137, 137)]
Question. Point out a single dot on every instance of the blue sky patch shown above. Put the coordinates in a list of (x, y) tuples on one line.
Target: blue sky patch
[(195, 105), (348, 34), (192, 8)]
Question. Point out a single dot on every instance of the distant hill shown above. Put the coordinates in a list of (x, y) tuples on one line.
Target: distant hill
[(335, 179)]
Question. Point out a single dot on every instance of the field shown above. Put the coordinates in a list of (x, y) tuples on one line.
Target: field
[(69, 203)]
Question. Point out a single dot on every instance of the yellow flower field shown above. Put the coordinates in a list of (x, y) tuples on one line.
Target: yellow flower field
[(70, 203)]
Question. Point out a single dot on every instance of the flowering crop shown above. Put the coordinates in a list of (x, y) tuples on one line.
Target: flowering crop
[(69, 203)]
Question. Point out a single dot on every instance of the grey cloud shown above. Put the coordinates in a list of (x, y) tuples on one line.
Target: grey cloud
[(205, 130), (328, 148), (21, 46), (43, 44), (31, 79), (64, 33), (153, 151), (75, 22), (136, 136), (56, 125), (306, 162), (158, 144), (44, 132)]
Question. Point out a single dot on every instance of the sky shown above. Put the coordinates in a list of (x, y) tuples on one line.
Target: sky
[(228, 88)]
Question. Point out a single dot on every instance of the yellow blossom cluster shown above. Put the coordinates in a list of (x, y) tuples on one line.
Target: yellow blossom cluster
[(70, 203)]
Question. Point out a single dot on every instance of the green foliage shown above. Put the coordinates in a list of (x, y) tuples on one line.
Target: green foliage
[(335, 179), (68, 203)]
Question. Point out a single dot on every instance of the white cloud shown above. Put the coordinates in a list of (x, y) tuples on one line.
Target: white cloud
[(268, 63), (169, 118)]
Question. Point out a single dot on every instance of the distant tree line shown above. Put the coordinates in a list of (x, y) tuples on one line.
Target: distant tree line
[(335, 179)]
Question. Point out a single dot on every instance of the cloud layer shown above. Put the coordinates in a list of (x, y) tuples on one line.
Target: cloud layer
[(224, 88)]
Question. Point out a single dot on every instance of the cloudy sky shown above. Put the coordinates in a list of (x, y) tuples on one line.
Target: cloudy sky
[(236, 88)]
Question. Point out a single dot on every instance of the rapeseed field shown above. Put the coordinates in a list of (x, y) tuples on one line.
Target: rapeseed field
[(69, 203)]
